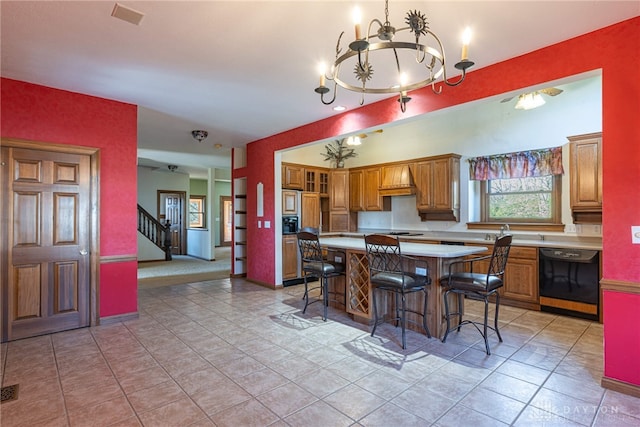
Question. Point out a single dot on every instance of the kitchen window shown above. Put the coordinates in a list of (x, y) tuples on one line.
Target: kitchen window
[(196, 212), (530, 199), (520, 187)]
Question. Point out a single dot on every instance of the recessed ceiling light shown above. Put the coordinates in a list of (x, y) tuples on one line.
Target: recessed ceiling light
[(339, 108)]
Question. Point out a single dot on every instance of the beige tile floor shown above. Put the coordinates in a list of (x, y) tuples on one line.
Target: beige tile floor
[(231, 353)]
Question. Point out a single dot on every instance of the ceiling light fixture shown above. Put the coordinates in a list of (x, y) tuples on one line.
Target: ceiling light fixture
[(363, 50), (527, 101), (354, 140), (199, 135)]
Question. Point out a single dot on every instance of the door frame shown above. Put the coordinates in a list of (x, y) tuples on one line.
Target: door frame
[(183, 225), (94, 221), (222, 200)]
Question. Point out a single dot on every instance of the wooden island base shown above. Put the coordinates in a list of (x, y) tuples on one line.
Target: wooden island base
[(358, 291)]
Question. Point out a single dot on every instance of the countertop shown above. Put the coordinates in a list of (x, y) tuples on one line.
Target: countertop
[(479, 238), (407, 248)]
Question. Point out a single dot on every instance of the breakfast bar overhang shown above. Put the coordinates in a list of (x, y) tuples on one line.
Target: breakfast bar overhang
[(358, 289)]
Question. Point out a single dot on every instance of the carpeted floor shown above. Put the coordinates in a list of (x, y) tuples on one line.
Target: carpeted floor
[(184, 269)]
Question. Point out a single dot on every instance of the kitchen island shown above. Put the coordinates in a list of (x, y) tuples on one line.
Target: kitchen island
[(358, 289)]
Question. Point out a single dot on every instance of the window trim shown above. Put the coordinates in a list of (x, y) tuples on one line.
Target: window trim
[(201, 200), (556, 214)]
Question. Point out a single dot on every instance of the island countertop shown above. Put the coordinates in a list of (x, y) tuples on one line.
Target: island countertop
[(551, 240), (407, 248)]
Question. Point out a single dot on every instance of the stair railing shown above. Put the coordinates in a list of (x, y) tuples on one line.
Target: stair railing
[(155, 231)]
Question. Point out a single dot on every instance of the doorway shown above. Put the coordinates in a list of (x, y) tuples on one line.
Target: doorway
[(51, 238), (226, 217), (172, 209)]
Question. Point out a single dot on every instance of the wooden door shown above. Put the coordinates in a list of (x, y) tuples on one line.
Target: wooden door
[(46, 206), (171, 208)]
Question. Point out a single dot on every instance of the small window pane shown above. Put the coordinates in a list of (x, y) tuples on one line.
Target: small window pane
[(521, 199), (196, 212)]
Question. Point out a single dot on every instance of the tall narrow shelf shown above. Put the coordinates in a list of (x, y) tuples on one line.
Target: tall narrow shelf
[(240, 227)]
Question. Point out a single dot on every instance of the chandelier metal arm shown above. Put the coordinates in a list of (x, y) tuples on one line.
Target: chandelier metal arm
[(433, 59), (388, 45)]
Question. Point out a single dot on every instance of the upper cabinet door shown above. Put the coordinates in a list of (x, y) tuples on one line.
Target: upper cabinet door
[(289, 202), (292, 177), (586, 177)]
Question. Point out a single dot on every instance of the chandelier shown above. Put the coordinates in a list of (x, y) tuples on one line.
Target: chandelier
[(365, 48)]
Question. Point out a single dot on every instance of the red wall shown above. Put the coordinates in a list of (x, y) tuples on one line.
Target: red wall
[(44, 114), (616, 51)]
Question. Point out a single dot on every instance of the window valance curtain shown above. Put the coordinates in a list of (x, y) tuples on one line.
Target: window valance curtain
[(521, 164)]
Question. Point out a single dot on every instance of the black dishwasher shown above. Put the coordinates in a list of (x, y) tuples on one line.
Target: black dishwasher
[(569, 281)]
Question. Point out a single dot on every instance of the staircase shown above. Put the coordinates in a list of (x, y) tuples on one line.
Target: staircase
[(153, 230)]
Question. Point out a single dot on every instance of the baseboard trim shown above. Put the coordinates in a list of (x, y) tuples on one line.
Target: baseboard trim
[(620, 386), (118, 318)]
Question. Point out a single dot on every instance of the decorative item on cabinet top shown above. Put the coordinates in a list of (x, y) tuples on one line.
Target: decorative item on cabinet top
[(337, 152)]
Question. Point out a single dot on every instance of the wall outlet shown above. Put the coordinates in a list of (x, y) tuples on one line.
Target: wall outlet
[(421, 271), (259, 224), (338, 259), (635, 234), (267, 224), (570, 228)]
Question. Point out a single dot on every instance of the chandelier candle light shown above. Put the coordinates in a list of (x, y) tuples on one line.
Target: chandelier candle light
[(365, 49)]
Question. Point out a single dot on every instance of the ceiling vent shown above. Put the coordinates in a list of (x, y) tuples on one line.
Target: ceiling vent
[(127, 14)]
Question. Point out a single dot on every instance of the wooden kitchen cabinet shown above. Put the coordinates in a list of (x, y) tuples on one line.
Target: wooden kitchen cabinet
[(340, 219), (373, 200), (289, 256), (316, 180), (520, 276), (310, 210), (437, 182), (292, 176), (289, 202), (323, 182), (585, 153), (364, 191), (339, 191), (356, 190)]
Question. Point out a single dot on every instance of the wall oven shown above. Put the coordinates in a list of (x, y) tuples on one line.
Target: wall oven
[(570, 281)]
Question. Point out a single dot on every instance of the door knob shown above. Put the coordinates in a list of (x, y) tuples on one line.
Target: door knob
[(83, 252)]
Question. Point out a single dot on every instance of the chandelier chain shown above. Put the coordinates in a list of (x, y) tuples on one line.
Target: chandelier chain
[(386, 13)]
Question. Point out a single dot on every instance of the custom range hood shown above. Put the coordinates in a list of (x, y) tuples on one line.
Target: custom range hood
[(397, 180)]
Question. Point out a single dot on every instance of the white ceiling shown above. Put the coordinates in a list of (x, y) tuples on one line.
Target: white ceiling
[(244, 70)]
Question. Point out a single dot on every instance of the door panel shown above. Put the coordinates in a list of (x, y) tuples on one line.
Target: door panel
[(46, 201)]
